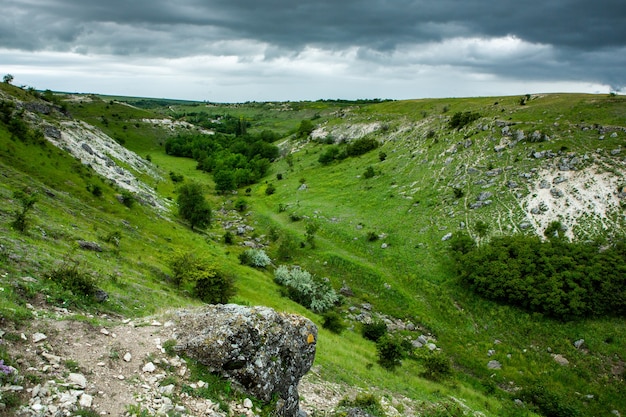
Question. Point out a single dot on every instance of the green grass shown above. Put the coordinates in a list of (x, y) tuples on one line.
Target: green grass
[(410, 200)]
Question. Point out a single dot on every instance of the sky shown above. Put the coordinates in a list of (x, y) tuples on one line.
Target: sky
[(280, 50)]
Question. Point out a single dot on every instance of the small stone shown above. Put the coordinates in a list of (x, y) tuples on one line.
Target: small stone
[(104, 331), (38, 337), (121, 377), (247, 403), (561, 360), (53, 359), (155, 323), (494, 365), (78, 380), (167, 389), (149, 367), (127, 357), (579, 343), (85, 400)]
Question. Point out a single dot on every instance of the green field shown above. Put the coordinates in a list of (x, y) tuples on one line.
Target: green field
[(421, 190)]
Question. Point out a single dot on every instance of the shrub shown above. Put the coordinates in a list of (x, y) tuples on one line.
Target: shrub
[(228, 238), (127, 198), (27, 200), (548, 403), (70, 276), (437, 366), (369, 172), (176, 178), (366, 402), (241, 205), (390, 352), (304, 289), (209, 284), (329, 155), (461, 119), (214, 287), (374, 331), (361, 146), (372, 236), (255, 257), (382, 156), (95, 190), (270, 189), (333, 322), (311, 229)]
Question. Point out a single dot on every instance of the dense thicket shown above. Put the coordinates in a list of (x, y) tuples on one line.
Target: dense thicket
[(356, 148), (558, 278), (234, 161)]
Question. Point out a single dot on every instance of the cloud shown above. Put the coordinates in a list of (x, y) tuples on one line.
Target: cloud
[(575, 42)]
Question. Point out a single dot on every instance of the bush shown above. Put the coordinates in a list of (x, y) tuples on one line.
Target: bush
[(365, 402), (329, 155), (241, 205), (270, 189), (27, 200), (208, 283), (176, 178), (214, 287), (71, 277), (95, 190), (228, 238), (127, 198), (461, 119), (304, 289), (372, 236), (369, 172), (390, 352), (374, 331), (333, 322), (548, 403), (361, 146), (437, 367), (255, 257)]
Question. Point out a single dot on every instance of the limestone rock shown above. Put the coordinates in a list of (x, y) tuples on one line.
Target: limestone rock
[(561, 360), (264, 351)]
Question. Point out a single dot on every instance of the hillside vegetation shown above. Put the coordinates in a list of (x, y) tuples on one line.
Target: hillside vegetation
[(364, 199)]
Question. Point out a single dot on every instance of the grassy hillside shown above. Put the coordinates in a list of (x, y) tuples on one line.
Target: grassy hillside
[(380, 236)]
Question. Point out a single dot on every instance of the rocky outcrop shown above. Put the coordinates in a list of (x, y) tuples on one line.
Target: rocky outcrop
[(263, 351)]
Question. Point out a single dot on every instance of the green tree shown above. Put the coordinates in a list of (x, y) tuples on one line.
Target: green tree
[(305, 129), (27, 201), (192, 206), (7, 79), (311, 228)]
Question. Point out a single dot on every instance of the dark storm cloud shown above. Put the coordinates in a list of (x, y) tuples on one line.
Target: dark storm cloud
[(576, 39), (376, 24)]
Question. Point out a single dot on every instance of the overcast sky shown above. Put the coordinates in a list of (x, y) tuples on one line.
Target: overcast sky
[(261, 50)]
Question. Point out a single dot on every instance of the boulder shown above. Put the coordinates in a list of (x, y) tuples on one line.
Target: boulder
[(263, 351)]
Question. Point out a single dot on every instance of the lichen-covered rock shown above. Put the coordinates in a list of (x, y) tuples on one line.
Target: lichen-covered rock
[(264, 351)]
